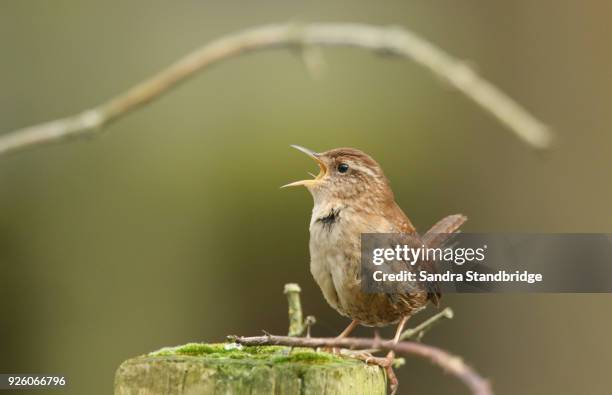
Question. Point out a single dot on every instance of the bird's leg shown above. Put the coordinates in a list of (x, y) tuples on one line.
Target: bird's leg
[(393, 382), (400, 328), (347, 331)]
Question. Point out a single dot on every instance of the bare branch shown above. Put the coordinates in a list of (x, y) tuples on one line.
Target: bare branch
[(390, 40), (419, 331), (446, 361), (296, 323)]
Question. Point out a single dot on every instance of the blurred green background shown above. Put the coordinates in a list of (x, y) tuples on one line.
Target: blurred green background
[(171, 227)]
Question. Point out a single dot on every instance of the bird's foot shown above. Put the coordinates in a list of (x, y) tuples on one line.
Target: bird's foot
[(362, 355), (384, 362), (331, 350)]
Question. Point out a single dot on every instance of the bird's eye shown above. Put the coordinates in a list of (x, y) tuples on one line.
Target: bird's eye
[(343, 167)]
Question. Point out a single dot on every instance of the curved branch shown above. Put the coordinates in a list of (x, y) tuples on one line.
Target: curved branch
[(446, 361), (391, 40)]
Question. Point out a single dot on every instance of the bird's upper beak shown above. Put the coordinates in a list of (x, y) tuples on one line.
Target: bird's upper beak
[(317, 157)]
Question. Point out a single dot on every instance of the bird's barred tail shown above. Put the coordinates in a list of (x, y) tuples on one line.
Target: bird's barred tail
[(443, 230), (437, 236)]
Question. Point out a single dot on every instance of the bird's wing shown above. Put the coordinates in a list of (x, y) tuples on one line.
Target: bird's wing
[(436, 237), (399, 220), (408, 295)]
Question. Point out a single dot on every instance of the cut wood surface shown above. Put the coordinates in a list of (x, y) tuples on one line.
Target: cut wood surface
[(196, 369)]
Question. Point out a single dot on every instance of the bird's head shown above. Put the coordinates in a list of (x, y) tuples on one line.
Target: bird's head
[(346, 174)]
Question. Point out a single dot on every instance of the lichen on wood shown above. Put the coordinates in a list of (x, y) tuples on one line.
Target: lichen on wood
[(195, 369)]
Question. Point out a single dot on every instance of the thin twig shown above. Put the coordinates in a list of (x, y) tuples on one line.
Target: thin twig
[(389, 40), (296, 322), (419, 330), (448, 362)]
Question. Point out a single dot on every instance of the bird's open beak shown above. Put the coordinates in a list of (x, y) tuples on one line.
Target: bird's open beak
[(322, 167)]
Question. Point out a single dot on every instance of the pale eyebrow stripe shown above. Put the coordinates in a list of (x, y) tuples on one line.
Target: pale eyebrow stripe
[(364, 169)]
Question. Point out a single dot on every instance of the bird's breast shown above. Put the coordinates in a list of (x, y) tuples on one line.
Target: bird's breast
[(335, 252)]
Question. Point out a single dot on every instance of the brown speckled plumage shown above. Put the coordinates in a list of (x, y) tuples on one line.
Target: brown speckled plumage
[(352, 196)]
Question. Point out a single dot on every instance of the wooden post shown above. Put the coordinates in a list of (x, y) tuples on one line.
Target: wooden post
[(232, 369), (199, 369)]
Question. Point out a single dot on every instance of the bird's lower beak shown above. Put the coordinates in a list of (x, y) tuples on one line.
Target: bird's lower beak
[(322, 167)]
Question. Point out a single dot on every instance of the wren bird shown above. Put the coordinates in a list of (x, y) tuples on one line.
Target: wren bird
[(352, 196)]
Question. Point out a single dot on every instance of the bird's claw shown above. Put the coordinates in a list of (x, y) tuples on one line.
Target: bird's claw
[(331, 350), (362, 355), (386, 363)]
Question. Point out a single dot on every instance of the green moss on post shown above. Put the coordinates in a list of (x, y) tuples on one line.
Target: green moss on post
[(219, 369)]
